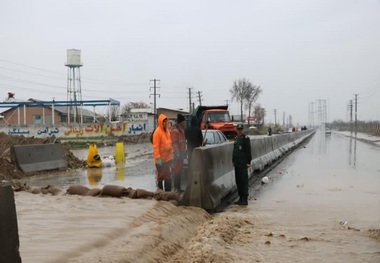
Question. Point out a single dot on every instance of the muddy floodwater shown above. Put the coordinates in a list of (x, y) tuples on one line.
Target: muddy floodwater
[(321, 204), (138, 171)]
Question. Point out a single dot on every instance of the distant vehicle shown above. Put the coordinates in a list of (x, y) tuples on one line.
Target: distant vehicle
[(327, 131), (214, 137)]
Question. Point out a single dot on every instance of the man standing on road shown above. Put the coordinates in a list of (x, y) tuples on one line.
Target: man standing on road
[(163, 153), (194, 138), (177, 136), (241, 158)]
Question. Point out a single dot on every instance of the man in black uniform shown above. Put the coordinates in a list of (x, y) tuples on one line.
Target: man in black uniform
[(194, 137), (241, 159)]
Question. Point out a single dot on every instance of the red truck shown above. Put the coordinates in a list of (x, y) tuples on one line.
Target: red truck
[(216, 118)]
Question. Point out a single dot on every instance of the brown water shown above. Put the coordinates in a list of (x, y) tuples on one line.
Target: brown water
[(322, 204), (138, 171), (294, 218)]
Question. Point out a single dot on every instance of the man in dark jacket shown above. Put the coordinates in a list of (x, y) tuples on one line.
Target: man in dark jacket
[(194, 137), (241, 158)]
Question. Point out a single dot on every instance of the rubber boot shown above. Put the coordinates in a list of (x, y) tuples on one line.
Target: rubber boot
[(239, 201), (177, 183), (159, 185), (168, 185), (244, 201)]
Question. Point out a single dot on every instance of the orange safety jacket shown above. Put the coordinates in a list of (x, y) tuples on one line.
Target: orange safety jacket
[(177, 136), (162, 144)]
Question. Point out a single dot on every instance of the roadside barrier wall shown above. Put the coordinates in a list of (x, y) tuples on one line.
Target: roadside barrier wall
[(211, 175), (9, 240), (38, 157)]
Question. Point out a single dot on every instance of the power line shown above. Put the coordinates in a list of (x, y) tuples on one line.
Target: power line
[(30, 73), (23, 75), (28, 82), (94, 80), (23, 88), (27, 66)]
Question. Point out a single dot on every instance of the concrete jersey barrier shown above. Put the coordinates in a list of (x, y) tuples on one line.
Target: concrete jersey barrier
[(211, 175), (9, 239), (38, 157)]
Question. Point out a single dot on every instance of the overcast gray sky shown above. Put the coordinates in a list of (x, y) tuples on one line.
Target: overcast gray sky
[(298, 51)]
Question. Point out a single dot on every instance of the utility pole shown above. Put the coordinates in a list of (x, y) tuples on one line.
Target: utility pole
[(350, 106), (199, 98), (309, 115), (154, 100), (275, 112), (312, 114), (283, 120), (190, 104), (324, 111), (356, 114), (226, 102), (319, 112)]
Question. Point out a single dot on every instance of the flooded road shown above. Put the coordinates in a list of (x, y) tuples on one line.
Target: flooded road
[(322, 204), (138, 171), (335, 176)]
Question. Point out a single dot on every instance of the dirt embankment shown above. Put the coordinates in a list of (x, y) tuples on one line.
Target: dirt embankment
[(10, 171)]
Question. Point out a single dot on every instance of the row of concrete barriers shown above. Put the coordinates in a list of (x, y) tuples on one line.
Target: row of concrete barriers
[(211, 173)]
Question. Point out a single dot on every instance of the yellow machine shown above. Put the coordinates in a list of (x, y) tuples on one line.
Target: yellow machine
[(93, 158)]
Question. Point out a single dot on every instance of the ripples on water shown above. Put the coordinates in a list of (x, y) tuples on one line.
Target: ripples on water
[(296, 217)]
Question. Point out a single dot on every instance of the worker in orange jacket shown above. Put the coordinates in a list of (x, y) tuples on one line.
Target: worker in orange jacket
[(163, 153)]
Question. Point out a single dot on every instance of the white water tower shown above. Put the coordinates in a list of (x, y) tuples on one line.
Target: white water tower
[(74, 92)]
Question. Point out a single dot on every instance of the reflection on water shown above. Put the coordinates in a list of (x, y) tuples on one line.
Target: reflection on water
[(116, 173), (324, 147), (107, 175), (352, 151), (94, 176), (332, 179), (295, 218), (120, 172)]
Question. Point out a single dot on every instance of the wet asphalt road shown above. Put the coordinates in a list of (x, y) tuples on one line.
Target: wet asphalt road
[(331, 177), (323, 158), (319, 205)]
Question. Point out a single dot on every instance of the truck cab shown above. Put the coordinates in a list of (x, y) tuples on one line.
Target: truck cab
[(216, 118)]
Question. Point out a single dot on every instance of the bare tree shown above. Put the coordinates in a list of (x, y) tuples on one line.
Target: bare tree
[(259, 114), (134, 105), (252, 94), (239, 93), (109, 114)]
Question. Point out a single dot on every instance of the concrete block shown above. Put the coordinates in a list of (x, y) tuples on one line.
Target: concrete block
[(9, 240), (38, 157)]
